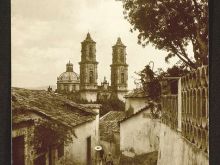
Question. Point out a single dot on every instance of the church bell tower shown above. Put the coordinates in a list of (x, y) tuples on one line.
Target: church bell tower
[(119, 70), (88, 70)]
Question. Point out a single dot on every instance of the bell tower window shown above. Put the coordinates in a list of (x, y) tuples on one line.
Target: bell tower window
[(122, 78), (90, 52), (122, 58), (91, 77)]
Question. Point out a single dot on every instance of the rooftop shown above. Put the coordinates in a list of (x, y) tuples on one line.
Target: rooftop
[(109, 124), (136, 93), (119, 42), (146, 108), (89, 38), (26, 102)]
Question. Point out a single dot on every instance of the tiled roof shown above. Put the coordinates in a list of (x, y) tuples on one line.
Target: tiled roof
[(109, 124), (49, 105), (130, 116), (25, 116), (136, 93)]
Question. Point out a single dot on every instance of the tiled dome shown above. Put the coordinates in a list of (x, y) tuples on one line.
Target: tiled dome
[(68, 76)]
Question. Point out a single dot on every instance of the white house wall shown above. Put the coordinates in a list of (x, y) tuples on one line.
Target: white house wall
[(139, 134), (76, 152), (176, 150)]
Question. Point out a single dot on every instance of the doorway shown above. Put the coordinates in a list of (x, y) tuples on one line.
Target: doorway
[(51, 156), (89, 160), (40, 160), (18, 150)]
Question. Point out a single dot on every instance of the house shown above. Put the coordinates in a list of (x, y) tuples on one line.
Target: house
[(135, 100), (139, 135), (50, 129), (110, 132)]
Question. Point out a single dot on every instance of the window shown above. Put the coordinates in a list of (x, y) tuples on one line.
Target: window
[(60, 150), (66, 88), (122, 58), (122, 78), (121, 55), (91, 77), (90, 51)]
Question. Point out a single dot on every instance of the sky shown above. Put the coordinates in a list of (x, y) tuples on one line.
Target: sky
[(46, 34)]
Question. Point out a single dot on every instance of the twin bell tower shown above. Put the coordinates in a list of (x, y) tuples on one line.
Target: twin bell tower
[(89, 71), (84, 86)]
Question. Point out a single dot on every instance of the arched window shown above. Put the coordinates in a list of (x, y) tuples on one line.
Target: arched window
[(90, 52), (91, 77), (122, 77), (121, 55)]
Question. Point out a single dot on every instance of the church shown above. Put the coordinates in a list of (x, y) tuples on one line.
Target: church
[(84, 85)]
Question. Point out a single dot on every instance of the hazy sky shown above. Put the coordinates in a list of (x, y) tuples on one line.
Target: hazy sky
[(46, 34)]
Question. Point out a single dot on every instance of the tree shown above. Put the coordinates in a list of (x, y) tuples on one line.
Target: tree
[(112, 104), (150, 83), (150, 80), (171, 25)]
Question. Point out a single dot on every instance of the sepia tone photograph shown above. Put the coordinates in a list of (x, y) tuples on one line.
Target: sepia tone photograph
[(110, 82)]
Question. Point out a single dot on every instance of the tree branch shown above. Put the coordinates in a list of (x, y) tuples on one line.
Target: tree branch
[(189, 63)]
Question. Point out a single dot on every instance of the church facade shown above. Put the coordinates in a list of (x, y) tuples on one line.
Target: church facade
[(85, 84)]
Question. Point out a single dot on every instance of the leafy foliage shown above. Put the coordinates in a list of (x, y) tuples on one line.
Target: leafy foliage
[(48, 134), (151, 81), (112, 104), (155, 110), (171, 25)]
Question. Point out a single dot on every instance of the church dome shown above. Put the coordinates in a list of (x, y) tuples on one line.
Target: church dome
[(69, 75)]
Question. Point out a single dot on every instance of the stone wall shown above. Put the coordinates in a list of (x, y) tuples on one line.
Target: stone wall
[(174, 149), (170, 110), (184, 132), (195, 112)]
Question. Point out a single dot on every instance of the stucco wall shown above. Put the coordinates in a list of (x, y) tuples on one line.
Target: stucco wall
[(121, 95), (175, 150), (135, 103), (108, 147), (139, 134), (76, 152), (113, 147), (88, 95)]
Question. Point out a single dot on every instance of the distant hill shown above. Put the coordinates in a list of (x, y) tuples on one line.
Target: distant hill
[(41, 87)]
